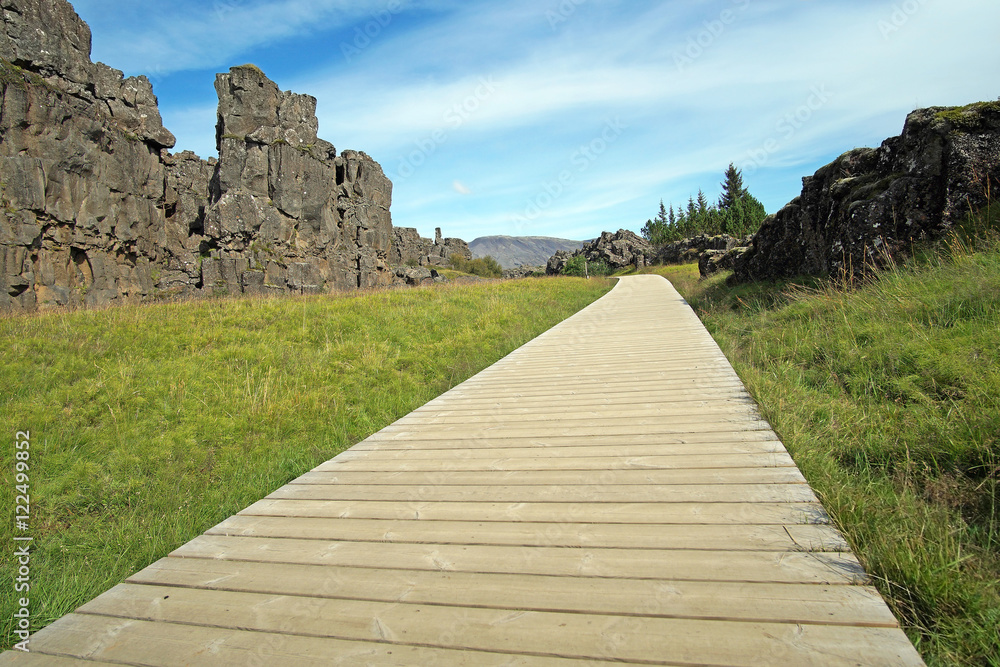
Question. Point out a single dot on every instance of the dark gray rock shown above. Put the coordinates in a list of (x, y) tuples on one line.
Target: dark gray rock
[(409, 248), (619, 250), (95, 211), (558, 262), (417, 275), (692, 249), (870, 204), (714, 261)]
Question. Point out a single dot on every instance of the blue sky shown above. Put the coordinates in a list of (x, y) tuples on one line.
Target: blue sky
[(567, 117)]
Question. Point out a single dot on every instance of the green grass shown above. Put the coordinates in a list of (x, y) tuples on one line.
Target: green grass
[(887, 394), (150, 424)]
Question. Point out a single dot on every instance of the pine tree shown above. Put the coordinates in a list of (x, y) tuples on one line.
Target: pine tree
[(732, 188), (702, 203), (661, 217)]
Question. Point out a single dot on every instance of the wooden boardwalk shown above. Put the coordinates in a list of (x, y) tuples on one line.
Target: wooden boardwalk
[(606, 494)]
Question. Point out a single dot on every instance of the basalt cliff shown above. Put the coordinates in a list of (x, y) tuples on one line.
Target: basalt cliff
[(871, 204), (96, 210)]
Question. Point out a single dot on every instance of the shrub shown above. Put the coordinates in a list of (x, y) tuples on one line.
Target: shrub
[(580, 267), (484, 267)]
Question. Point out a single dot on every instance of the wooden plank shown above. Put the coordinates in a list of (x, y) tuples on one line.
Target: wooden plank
[(581, 386), (33, 658), (622, 392), (687, 493), (136, 642), (609, 426), (626, 395), (817, 537), (742, 566), (377, 441), (441, 477), (632, 513), (626, 456), (781, 603), (703, 409), (580, 636)]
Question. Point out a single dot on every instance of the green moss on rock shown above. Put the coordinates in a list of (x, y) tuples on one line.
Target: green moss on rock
[(968, 116)]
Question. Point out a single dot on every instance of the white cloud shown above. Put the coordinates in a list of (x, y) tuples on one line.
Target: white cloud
[(176, 36), (416, 92)]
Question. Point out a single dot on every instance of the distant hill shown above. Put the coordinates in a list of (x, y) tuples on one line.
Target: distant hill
[(513, 251)]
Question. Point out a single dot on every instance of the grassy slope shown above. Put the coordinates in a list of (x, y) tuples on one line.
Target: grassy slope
[(888, 397), (150, 424)]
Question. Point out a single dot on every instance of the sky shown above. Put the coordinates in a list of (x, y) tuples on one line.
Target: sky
[(567, 118)]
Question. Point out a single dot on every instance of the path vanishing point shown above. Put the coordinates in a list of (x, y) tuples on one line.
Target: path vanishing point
[(606, 494)]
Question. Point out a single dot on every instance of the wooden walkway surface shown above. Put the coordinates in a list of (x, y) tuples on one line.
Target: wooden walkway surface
[(606, 494)]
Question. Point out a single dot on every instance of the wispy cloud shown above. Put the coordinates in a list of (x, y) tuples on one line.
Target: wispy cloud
[(493, 98), (188, 34)]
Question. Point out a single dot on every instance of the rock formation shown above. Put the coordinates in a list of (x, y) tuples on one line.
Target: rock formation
[(694, 248), (618, 250), (97, 211), (872, 203), (409, 248)]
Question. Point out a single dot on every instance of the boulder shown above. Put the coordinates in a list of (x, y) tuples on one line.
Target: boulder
[(619, 250), (714, 261), (558, 262)]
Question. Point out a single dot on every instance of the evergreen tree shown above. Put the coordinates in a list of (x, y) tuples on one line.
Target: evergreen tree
[(702, 204), (737, 213), (661, 217), (649, 231), (732, 188)]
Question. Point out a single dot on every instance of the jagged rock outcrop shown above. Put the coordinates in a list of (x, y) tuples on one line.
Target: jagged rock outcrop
[(95, 210), (619, 250), (694, 248), (713, 261), (872, 203), (287, 212), (558, 262), (408, 247)]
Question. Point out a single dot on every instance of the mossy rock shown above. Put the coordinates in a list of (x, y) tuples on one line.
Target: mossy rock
[(253, 68), (970, 116), (11, 74)]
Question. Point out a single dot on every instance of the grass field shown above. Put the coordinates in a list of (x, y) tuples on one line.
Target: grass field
[(150, 424), (887, 395)]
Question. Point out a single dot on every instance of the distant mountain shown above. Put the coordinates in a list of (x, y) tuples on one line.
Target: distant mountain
[(512, 251)]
